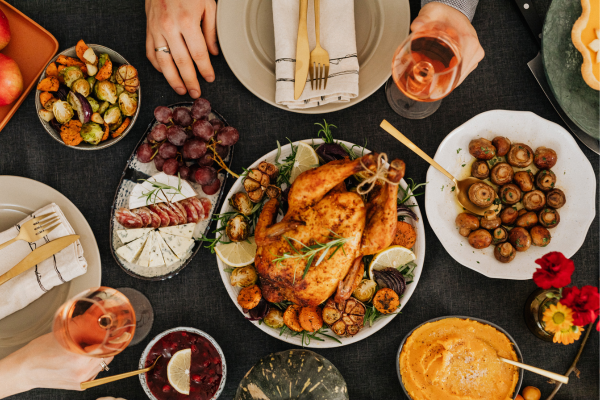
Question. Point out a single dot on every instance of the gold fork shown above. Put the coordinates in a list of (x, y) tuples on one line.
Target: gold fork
[(319, 57), (36, 228)]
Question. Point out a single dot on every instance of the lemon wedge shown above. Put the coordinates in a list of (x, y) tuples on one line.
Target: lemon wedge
[(178, 371), (237, 254), (393, 256), (306, 158)]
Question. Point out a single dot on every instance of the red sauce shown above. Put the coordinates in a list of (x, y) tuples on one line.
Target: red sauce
[(205, 370)]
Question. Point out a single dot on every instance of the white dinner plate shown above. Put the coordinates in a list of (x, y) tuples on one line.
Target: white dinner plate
[(366, 331), (574, 175), (18, 198), (246, 37)]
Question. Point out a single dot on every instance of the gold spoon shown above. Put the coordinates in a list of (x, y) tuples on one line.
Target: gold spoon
[(539, 371), (102, 381), (462, 187)]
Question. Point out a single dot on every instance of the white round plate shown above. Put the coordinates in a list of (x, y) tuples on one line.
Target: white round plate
[(246, 38), (574, 175), (366, 331), (18, 198)]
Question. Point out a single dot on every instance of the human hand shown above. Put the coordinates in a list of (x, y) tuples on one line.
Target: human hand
[(44, 363), (176, 25), (470, 49)]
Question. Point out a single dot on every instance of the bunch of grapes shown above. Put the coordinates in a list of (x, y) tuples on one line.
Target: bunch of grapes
[(183, 140)]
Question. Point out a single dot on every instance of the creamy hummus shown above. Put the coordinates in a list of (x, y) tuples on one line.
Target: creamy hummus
[(458, 359)]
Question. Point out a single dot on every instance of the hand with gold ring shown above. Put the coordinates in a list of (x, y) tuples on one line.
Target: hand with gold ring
[(179, 34), (44, 363)]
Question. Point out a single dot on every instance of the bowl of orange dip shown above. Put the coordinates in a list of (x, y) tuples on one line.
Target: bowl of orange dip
[(456, 357)]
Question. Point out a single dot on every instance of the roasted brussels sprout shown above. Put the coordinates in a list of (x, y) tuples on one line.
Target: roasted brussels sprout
[(520, 155), (128, 103), (527, 220), (510, 194), (256, 183), (93, 103), (540, 236), (490, 220), (502, 145), (97, 118), (274, 318), (505, 252), (46, 115), (534, 200), (480, 239), (238, 228), (525, 180), (113, 117), (268, 169), (544, 158), (49, 105), (92, 81), (244, 276), (120, 89), (482, 149), (480, 169), (273, 191), (509, 215), (103, 107), (70, 75), (365, 290), (545, 180), (549, 218), (242, 203), (482, 194), (106, 91), (63, 112), (82, 87), (519, 238), (91, 133), (499, 235), (501, 174), (127, 76), (555, 198), (466, 223)]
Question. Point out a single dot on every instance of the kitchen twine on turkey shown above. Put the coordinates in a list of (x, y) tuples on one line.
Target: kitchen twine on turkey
[(372, 177)]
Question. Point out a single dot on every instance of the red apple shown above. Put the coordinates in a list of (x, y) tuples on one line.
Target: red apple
[(11, 81), (4, 31)]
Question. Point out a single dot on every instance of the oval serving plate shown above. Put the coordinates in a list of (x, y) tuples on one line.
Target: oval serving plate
[(134, 171), (419, 250)]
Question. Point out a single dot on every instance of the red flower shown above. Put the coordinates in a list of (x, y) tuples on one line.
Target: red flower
[(555, 271), (584, 303)]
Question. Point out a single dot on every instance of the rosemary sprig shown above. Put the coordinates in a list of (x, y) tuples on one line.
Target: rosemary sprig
[(372, 315), (308, 336), (285, 167), (410, 192), (283, 305), (408, 271), (326, 131), (158, 187)]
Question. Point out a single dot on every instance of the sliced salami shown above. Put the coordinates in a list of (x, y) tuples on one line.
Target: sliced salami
[(144, 213), (181, 219), (207, 205), (192, 212), (156, 223), (174, 218), (182, 209), (128, 219), (199, 207), (165, 220)]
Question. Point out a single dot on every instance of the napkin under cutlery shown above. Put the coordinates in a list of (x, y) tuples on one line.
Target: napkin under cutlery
[(338, 37), (62, 267)]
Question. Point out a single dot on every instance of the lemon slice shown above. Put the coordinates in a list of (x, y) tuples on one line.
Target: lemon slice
[(178, 371), (237, 254), (306, 158), (393, 256)]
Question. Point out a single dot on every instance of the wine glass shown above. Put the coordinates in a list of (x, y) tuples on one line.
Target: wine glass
[(425, 69)]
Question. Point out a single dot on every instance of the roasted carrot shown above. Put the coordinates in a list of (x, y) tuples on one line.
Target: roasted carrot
[(44, 97), (105, 71), (106, 132), (386, 301), (291, 318), (405, 236), (311, 318), (69, 61), (249, 297), (70, 132), (52, 70), (80, 49), (121, 128), (49, 84)]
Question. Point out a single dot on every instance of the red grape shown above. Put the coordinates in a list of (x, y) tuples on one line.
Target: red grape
[(184, 172), (144, 153), (222, 151), (193, 169), (205, 175), (167, 150), (176, 135), (193, 149), (163, 114), (203, 129), (171, 166), (212, 188), (206, 160), (216, 123), (201, 108), (158, 133), (159, 162), (228, 136), (182, 117)]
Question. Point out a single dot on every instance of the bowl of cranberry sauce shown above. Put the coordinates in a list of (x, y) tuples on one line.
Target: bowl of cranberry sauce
[(207, 369)]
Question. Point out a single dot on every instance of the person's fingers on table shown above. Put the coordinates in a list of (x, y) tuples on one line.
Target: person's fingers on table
[(183, 60), (150, 51), (169, 69), (209, 28), (199, 53)]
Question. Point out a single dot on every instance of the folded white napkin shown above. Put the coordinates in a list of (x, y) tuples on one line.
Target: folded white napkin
[(337, 37), (65, 265)]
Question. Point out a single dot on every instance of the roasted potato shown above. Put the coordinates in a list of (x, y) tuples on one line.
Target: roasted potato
[(405, 235)]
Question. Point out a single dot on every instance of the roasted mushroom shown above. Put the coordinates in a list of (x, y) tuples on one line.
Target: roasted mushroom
[(268, 169), (509, 215), (499, 235), (244, 276), (522, 211), (520, 155), (544, 158), (504, 252), (345, 318), (555, 198), (490, 220), (256, 183), (480, 239), (502, 145), (242, 203), (482, 194), (482, 149), (525, 180), (519, 238), (501, 174), (527, 220), (480, 169), (549, 218), (466, 223), (238, 229), (545, 180), (510, 194), (534, 200), (540, 236)]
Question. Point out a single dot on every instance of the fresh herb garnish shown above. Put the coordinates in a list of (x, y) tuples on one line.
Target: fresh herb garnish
[(157, 188), (372, 315), (285, 167), (458, 151), (410, 191), (308, 336), (326, 131)]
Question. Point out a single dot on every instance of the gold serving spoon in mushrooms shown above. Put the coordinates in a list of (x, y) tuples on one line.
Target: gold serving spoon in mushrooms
[(462, 186)]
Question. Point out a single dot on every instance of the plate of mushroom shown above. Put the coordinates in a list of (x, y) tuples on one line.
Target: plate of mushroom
[(535, 170)]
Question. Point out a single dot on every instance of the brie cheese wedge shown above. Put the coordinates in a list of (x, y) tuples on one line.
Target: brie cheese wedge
[(139, 194), (156, 257), (129, 235), (178, 244), (186, 231), (168, 255), (131, 250)]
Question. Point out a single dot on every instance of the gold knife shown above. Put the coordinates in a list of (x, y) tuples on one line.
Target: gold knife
[(38, 255), (302, 52)]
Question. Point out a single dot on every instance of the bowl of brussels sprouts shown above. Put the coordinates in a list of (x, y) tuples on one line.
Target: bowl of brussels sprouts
[(88, 97)]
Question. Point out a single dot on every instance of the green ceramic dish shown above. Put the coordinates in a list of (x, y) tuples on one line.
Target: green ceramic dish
[(562, 63)]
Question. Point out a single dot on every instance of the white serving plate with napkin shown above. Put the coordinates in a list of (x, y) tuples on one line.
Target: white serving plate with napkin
[(31, 299)]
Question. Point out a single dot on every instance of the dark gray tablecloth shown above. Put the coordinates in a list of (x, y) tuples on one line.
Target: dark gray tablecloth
[(197, 297)]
